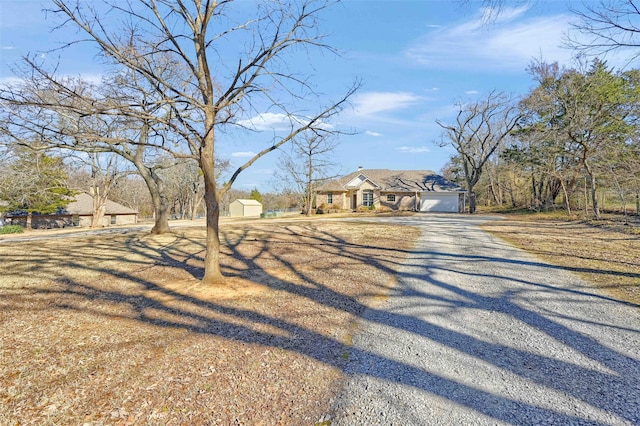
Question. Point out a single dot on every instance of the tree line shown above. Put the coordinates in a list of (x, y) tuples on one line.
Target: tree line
[(575, 132), (572, 136)]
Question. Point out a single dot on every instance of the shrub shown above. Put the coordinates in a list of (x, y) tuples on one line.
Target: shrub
[(11, 229)]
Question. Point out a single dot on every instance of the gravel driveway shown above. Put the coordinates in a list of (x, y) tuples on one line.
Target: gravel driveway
[(479, 332)]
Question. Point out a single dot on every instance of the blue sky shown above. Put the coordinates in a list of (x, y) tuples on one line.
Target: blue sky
[(415, 60)]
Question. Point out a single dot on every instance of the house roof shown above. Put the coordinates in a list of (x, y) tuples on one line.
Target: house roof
[(393, 180), (83, 205), (246, 202)]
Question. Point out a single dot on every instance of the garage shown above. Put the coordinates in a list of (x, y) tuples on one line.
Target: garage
[(439, 202)]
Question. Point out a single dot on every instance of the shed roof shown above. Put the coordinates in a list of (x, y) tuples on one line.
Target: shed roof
[(246, 202), (394, 180)]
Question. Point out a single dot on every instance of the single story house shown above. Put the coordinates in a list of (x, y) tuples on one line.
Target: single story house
[(79, 213), (417, 190), (245, 208)]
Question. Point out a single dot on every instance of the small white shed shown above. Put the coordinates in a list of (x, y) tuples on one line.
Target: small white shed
[(245, 208)]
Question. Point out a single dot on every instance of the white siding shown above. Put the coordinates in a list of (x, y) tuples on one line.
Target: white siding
[(439, 202), (245, 208)]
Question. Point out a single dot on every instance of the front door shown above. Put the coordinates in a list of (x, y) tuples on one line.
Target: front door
[(354, 201)]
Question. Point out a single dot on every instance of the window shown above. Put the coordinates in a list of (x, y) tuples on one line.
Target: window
[(330, 198), (391, 198), (113, 219), (367, 198)]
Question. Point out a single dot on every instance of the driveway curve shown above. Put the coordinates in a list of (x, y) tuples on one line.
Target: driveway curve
[(479, 332)]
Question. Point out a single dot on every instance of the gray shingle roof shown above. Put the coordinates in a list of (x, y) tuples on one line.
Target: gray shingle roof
[(396, 180)]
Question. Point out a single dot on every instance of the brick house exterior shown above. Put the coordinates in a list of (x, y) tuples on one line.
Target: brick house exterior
[(79, 213), (417, 190)]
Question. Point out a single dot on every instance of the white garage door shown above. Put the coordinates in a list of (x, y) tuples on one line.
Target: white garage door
[(430, 202)]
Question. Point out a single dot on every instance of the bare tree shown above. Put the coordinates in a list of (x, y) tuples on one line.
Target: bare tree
[(212, 91), (308, 165), (480, 128), (605, 26), (132, 192), (97, 173), (185, 186), (44, 111)]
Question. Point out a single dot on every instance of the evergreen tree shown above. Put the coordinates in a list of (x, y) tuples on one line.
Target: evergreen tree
[(35, 183), (255, 195)]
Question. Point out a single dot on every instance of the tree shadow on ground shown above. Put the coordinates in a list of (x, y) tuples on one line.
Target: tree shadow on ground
[(268, 258)]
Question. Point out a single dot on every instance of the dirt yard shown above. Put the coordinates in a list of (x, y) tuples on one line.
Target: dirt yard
[(117, 329), (605, 253)]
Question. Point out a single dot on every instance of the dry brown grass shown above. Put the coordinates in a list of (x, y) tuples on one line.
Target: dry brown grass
[(605, 253), (118, 330)]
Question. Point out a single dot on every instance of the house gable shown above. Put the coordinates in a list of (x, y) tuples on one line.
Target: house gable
[(359, 180)]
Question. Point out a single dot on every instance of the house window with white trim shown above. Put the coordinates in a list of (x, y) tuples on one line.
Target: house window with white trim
[(367, 198), (330, 198), (391, 198)]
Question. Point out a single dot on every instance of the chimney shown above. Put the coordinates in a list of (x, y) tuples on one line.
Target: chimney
[(359, 168)]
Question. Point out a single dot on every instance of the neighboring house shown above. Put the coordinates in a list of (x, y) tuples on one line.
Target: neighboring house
[(79, 213), (418, 190), (245, 208)]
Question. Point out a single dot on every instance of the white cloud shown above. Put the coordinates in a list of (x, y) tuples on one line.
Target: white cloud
[(90, 78), (413, 149), (11, 81), (498, 15), (374, 134), (268, 121), (471, 92), (278, 121), (374, 102), (510, 43), (243, 154)]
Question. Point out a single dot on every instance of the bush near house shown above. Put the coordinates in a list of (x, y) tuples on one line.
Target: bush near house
[(11, 229)]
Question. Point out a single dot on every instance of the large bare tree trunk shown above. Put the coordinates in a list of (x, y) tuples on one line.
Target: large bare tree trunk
[(158, 199), (472, 201), (161, 213), (99, 207), (154, 184), (212, 271)]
